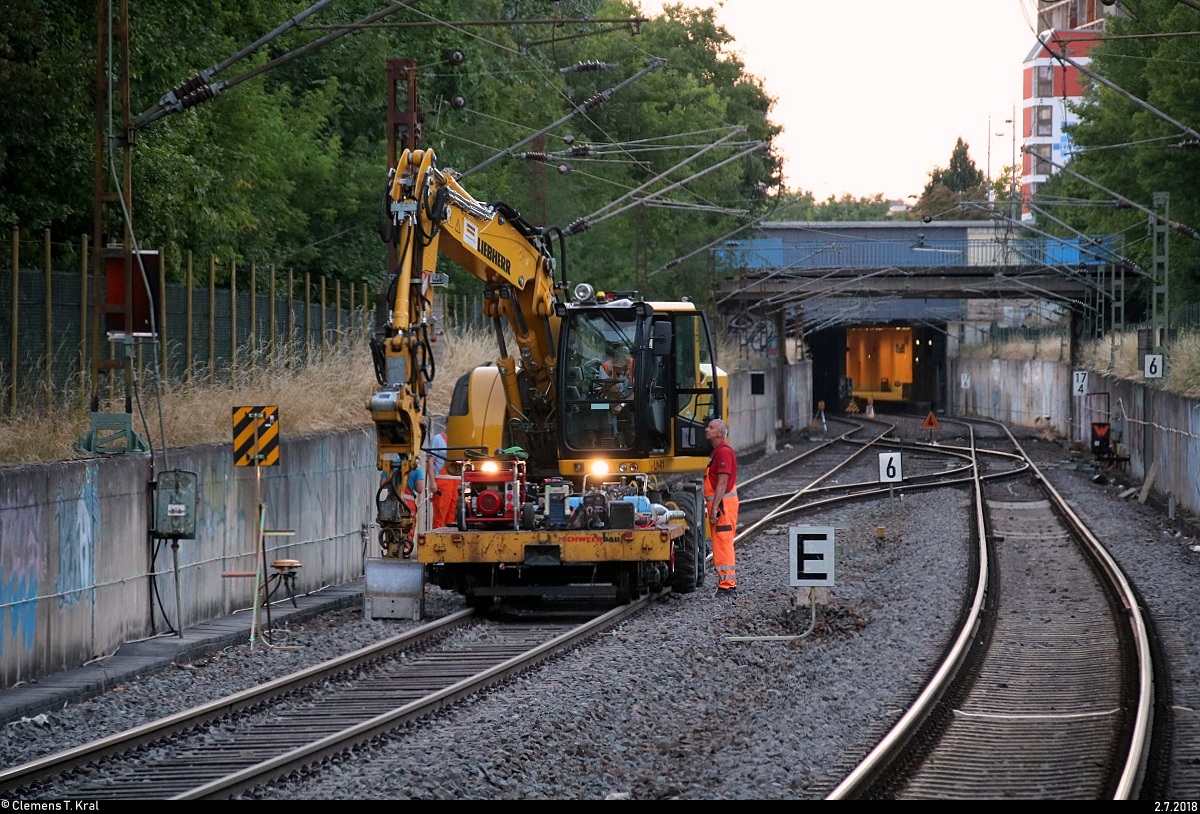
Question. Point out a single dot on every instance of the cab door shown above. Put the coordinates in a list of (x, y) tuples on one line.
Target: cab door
[(697, 392)]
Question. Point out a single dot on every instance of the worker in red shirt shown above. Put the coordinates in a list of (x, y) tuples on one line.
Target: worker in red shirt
[(720, 493)]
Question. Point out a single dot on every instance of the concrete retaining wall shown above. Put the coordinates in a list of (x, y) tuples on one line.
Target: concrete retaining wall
[(1157, 430), (785, 402), (1028, 394), (81, 574)]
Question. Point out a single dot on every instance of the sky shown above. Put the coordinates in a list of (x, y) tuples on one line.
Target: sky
[(873, 94)]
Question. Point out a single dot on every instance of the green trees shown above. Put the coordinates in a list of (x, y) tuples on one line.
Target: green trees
[(960, 182), (46, 129), (804, 207), (286, 167), (1128, 140)]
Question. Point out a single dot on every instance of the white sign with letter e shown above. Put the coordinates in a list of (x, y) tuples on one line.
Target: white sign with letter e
[(811, 556), (1152, 365), (1079, 384), (891, 468)]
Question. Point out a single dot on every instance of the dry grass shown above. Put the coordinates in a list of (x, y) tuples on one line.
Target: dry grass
[(325, 393), (1045, 349), (460, 352), (1117, 355)]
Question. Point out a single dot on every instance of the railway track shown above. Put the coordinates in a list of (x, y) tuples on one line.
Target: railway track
[(225, 747), (1047, 692)]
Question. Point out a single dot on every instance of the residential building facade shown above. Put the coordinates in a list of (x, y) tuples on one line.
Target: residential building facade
[(1054, 78)]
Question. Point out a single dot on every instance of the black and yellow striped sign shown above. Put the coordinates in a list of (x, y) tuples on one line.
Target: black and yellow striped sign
[(255, 436)]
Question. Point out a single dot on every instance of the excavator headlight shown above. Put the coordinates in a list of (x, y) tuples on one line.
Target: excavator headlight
[(599, 467), (584, 292), (490, 467)]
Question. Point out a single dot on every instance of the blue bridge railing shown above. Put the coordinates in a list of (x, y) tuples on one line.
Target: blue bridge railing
[(769, 254)]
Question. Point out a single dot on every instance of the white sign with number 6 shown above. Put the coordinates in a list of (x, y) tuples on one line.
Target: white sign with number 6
[(1152, 365), (891, 469)]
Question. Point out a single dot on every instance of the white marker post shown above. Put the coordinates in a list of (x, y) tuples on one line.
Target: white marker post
[(1152, 365), (891, 470), (810, 556)]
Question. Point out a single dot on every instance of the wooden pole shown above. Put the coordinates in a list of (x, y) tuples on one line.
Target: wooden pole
[(253, 343), (291, 292), (324, 319), (187, 359), (165, 373), (13, 315), (83, 318), (233, 342), (271, 346), (49, 322), (212, 318)]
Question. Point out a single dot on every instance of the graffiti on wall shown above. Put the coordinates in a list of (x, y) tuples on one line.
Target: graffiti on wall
[(757, 336), (78, 522), (21, 566)]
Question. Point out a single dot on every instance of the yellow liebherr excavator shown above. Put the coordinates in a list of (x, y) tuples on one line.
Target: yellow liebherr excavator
[(571, 482)]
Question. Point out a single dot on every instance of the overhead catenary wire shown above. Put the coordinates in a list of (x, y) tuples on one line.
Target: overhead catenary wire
[(676, 261), (583, 224), (588, 104), (665, 173), (1085, 245), (202, 86), (198, 89), (1183, 229), (1108, 253)]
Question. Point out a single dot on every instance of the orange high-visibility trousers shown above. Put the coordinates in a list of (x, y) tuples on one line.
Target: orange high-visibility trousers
[(723, 531), (445, 501)]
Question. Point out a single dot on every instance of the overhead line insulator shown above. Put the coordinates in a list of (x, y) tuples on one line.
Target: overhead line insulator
[(589, 66)]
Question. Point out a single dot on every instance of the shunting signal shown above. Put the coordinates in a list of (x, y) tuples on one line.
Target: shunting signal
[(255, 436)]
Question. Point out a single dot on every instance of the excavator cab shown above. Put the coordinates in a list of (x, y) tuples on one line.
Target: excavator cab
[(655, 405)]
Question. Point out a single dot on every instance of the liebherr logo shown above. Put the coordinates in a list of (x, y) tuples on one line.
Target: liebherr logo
[(491, 254)]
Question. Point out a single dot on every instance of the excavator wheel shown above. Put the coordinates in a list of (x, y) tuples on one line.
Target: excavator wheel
[(689, 564)]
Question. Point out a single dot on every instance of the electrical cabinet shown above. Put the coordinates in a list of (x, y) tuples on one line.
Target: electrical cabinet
[(175, 506)]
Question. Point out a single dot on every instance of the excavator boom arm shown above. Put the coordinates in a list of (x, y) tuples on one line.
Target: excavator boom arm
[(431, 214)]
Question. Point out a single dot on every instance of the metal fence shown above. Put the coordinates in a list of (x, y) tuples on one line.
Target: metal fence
[(202, 329)]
